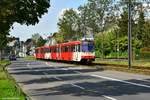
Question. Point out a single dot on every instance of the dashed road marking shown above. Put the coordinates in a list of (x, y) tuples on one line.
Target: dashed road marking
[(77, 72), (46, 75), (77, 86), (113, 79), (108, 97), (57, 78)]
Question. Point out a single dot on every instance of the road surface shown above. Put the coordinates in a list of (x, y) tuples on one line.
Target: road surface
[(58, 81)]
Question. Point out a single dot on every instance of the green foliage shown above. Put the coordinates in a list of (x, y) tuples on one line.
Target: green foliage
[(145, 53), (40, 42), (140, 26), (93, 15), (117, 55), (67, 24), (30, 58), (100, 16), (103, 43), (3, 41), (21, 11), (90, 16), (59, 37), (146, 35)]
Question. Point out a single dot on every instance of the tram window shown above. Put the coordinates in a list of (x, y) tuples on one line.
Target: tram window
[(72, 48), (50, 50), (59, 49), (41, 50), (47, 50), (62, 49), (66, 49), (36, 51), (78, 47), (55, 50), (44, 50)]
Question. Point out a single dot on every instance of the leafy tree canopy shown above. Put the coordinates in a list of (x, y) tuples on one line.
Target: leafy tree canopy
[(67, 24), (21, 11)]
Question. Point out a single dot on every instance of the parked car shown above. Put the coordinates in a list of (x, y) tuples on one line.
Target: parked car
[(12, 57)]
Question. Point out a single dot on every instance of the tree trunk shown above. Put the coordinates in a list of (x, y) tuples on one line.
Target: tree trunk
[(0, 54)]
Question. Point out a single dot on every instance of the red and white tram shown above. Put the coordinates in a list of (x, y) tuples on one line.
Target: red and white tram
[(71, 51)]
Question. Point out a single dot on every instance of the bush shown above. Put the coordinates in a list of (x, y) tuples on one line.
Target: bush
[(117, 55), (145, 53)]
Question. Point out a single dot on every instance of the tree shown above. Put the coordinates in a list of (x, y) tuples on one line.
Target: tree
[(59, 37), (68, 23), (146, 34), (40, 42), (140, 25), (3, 43), (35, 37), (123, 24), (96, 14), (21, 11)]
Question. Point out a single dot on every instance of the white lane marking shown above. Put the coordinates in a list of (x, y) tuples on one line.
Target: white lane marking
[(46, 75), (72, 83), (110, 98), (37, 70), (77, 86), (136, 84), (64, 68), (28, 65), (57, 67), (113, 79), (77, 72), (57, 78)]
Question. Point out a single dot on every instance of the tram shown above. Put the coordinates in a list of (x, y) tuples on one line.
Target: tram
[(78, 51)]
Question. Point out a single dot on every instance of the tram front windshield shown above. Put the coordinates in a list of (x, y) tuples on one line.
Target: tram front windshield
[(87, 46)]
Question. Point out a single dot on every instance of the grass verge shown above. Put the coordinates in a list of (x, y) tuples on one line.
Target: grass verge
[(29, 58), (138, 66), (137, 63), (8, 87)]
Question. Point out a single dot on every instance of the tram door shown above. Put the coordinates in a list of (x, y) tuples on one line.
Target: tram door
[(77, 49)]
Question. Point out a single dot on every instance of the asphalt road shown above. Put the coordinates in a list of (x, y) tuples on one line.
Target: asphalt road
[(58, 81)]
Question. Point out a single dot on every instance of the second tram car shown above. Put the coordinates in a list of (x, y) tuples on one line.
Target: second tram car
[(80, 51)]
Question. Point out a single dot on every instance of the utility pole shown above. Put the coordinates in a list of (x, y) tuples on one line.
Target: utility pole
[(129, 36), (130, 4)]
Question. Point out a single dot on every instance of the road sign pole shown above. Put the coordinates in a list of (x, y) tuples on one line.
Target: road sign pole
[(129, 37)]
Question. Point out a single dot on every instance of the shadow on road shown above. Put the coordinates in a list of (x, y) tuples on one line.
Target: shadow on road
[(94, 87), (111, 88), (49, 71)]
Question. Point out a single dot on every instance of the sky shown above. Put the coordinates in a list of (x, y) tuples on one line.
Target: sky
[(48, 23)]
